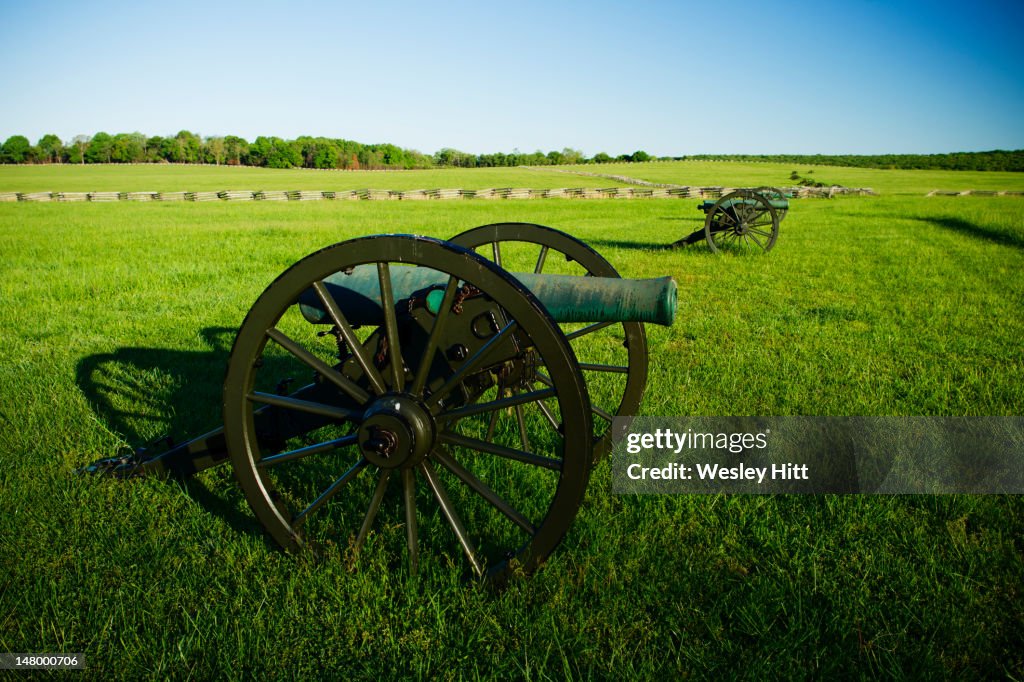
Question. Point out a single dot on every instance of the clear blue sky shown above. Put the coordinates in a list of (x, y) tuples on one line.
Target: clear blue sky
[(670, 78)]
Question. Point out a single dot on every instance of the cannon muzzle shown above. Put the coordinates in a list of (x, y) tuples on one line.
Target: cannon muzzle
[(567, 298)]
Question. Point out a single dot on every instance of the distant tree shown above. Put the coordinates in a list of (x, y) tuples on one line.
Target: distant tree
[(571, 156), (327, 156), (555, 158), (320, 152), (390, 155), (15, 150), (236, 150), (601, 157), (76, 153), (170, 150), (153, 147), (417, 159), (99, 149), (308, 147), (259, 150), (128, 148), (453, 157), (273, 152), (370, 158), (640, 156), (189, 147), (215, 148), (51, 149)]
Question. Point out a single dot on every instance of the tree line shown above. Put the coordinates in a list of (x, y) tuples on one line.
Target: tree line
[(995, 160), (323, 152), (270, 152)]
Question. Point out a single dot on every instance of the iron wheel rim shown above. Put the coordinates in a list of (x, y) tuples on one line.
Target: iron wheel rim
[(529, 315)]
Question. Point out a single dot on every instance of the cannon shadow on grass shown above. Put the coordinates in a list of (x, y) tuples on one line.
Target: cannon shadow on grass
[(685, 226), (972, 230), (628, 244), (144, 394)]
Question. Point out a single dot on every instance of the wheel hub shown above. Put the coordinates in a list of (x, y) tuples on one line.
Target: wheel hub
[(397, 432)]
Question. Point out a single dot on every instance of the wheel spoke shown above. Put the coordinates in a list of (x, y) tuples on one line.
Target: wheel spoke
[(501, 451), (470, 365), (481, 489), (387, 301), (427, 359), (331, 491), (411, 535), (591, 367), (358, 351), (452, 516), (371, 512), (756, 240), (546, 411), (334, 376), (523, 437), (315, 449), (303, 406), (496, 249), (495, 405), (588, 330), (540, 260), (761, 218), (491, 424), (601, 413), (723, 216), (544, 379)]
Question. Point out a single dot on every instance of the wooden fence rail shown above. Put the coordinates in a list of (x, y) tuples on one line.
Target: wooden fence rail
[(650, 192), (975, 192)]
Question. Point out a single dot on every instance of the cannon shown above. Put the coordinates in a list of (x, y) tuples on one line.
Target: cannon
[(742, 220), (410, 396)]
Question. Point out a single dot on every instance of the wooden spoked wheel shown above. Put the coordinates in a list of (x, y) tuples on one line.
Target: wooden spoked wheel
[(741, 221), (387, 449)]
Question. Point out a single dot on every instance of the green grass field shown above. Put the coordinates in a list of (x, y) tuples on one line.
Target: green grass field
[(729, 173), (178, 178), (116, 325)]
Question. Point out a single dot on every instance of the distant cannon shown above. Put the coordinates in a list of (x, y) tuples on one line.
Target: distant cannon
[(434, 368), (745, 220)]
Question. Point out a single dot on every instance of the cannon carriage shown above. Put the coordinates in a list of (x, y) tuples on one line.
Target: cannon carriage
[(413, 396), (742, 220)]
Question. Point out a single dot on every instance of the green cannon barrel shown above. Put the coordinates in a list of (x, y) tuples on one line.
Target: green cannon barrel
[(777, 204), (567, 298)]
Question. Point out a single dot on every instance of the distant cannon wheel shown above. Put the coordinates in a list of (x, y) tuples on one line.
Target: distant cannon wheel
[(616, 385), (741, 221), (390, 457), (776, 195)]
